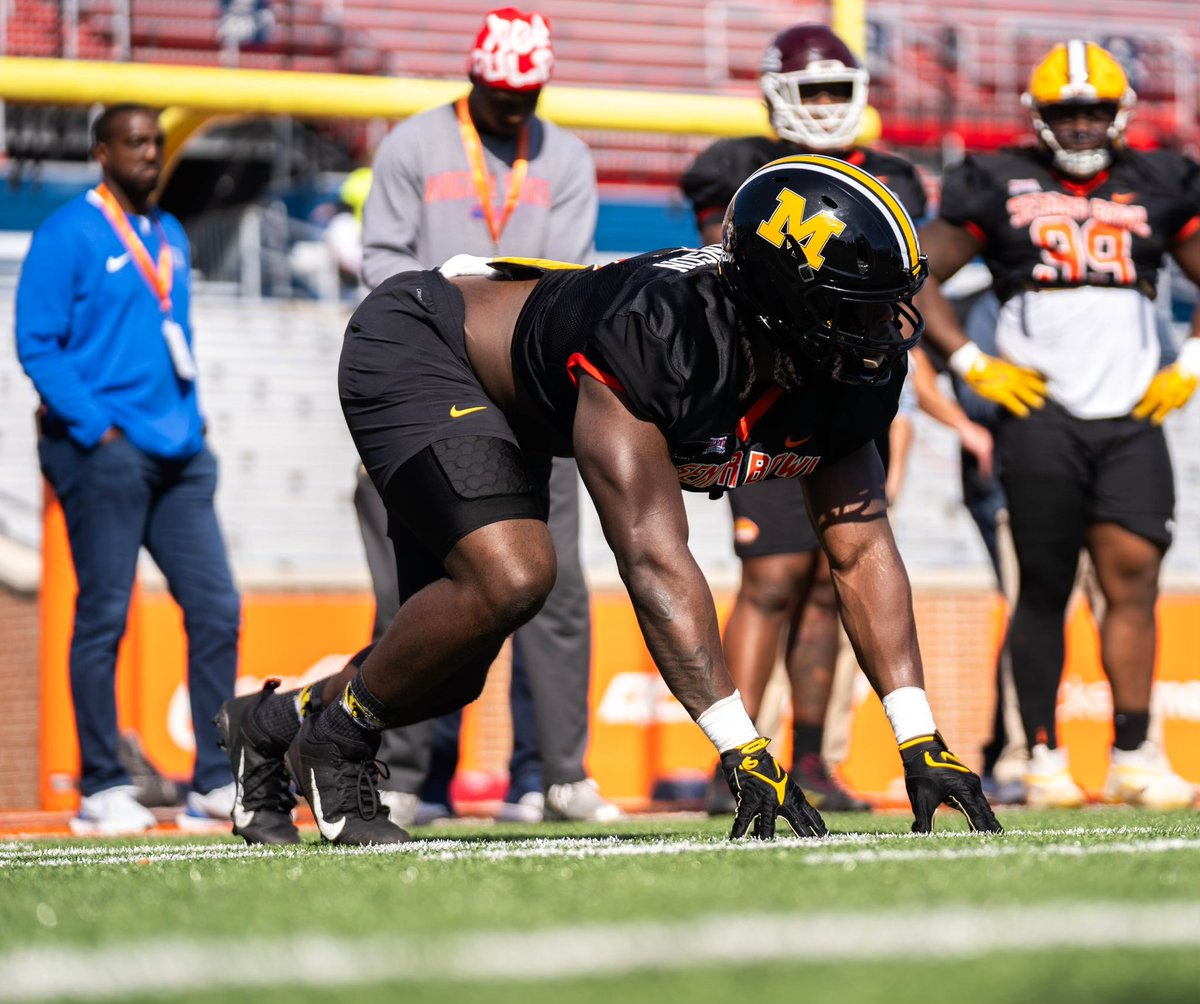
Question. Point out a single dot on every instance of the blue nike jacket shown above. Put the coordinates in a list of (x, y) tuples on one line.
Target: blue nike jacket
[(89, 331)]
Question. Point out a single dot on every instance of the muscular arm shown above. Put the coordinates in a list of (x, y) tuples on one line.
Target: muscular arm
[(628, 473), (948, 249), (848, 507)]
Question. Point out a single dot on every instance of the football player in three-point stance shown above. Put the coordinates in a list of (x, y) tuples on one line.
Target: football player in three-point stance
[(778, 354), (816, 93), (1074, 231)]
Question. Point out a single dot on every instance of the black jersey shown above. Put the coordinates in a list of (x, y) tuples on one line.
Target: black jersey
[(719, 170), (660, 329), (1041, 230)]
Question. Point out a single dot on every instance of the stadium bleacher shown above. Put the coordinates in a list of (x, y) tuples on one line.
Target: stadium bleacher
[(952, 70)]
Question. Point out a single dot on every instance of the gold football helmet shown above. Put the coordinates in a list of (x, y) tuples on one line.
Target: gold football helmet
[(1074, 74)]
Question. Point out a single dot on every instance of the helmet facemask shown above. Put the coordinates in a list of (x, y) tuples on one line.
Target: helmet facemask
[(1086, 162), (822, 257), (855, 337), (819, 126)]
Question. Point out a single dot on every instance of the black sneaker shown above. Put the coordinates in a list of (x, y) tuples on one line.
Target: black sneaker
[(823, 790), (340, 779), (263, 800)]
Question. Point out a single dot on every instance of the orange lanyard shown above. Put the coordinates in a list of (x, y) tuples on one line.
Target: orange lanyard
[(474, 150), (158, 277)]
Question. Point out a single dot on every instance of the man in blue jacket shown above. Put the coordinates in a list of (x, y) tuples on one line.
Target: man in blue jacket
[(103, 330)]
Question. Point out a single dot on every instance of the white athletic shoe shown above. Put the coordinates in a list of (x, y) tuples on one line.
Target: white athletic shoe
[(580, 800), (401, 805), (529, 808), (1048, 780), (406, 809), (1144, 777), (210, 812), (112, 812)]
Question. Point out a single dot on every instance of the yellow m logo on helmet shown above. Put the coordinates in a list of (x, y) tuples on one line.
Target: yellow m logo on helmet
[(811, 233)]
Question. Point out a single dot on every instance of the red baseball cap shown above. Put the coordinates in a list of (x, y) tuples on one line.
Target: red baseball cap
[(512, 51)]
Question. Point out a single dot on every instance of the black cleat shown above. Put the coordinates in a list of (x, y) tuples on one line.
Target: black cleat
[(263, 803), (824, 791), (339, 777)]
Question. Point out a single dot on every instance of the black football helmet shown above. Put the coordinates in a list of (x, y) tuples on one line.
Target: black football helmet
[(804, 57), (825, 257)]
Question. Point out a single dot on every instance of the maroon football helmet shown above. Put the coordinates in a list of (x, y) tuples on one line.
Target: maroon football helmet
[(798, 63)]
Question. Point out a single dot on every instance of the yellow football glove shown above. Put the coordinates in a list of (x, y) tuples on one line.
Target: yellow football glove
[(1015, 387), (934, 776), (764, 793), (1172, 385)]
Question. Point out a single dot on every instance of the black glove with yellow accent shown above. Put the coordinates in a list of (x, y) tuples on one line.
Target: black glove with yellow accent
[(933, 776), (764, 792)]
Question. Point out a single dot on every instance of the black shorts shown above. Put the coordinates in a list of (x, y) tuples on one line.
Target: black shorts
[(440, 451), (1057, 468), (771, 518)]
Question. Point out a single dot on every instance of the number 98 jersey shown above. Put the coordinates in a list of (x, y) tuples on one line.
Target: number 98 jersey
[(1041, 230)]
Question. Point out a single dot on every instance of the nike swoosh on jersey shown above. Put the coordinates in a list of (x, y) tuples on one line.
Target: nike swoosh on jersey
[(791, 444), (328, 830), (457, 412), (241, 818), (116, 262)]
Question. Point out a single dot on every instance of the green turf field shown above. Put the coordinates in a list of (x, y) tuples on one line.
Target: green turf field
[(1099, 905)]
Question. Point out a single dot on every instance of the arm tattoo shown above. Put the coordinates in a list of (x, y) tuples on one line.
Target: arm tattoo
[(659, 603)]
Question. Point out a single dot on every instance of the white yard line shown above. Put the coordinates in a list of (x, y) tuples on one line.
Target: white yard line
[(839, 850), (173, 965)]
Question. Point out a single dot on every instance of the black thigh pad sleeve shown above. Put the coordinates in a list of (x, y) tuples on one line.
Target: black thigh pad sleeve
[(480, 467), (458, 485)]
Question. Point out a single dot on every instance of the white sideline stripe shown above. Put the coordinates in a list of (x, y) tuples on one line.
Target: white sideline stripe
[(168, 965), (859, 848)]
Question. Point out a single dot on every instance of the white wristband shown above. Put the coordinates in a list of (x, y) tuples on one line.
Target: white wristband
[(1189, 357), (726, 723), (908, 711), (963, 358)]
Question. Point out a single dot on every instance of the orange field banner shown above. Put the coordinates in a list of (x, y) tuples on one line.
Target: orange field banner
[(641, 738)]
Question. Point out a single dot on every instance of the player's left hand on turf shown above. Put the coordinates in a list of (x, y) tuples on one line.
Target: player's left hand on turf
[(1170, 389), (765, 793), (934, 776)]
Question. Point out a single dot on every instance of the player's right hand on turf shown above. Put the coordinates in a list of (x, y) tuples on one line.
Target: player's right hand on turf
[(934, 776), (1015, 387), (765, 792)]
